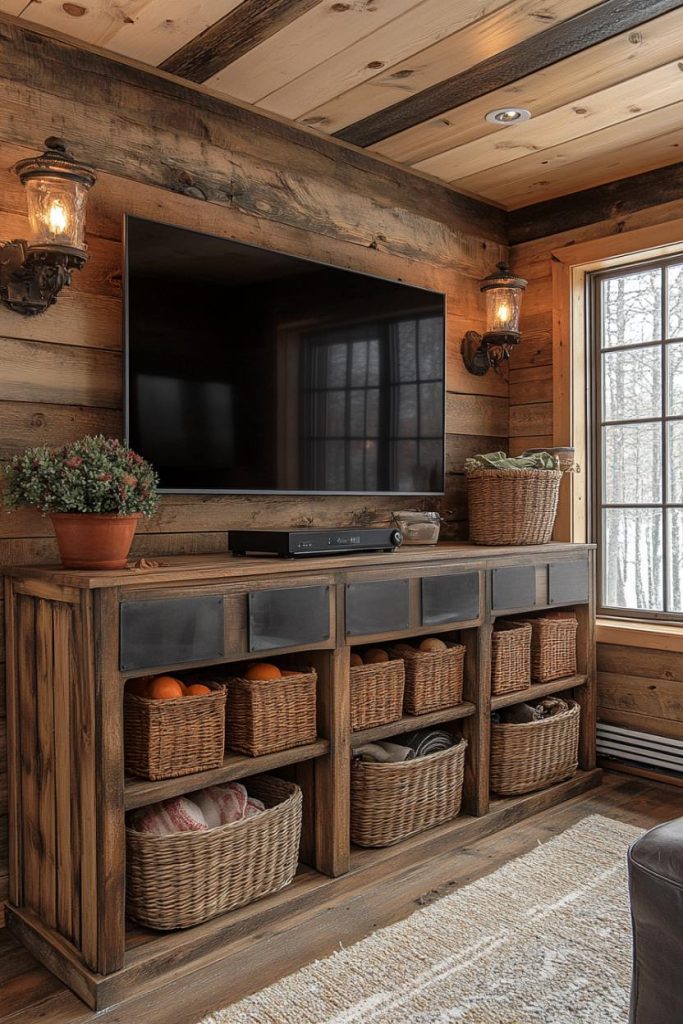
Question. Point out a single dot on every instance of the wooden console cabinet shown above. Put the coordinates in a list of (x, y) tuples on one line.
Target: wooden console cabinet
[(73, 638)]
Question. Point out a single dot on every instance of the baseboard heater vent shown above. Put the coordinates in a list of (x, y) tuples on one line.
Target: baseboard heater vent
[(641, 748)]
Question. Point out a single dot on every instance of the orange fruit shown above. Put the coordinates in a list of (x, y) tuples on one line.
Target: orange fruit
[(432, 644), (356, 660), (139, 686), (263, 670), (165, 688), (197, 690), (375, 655)]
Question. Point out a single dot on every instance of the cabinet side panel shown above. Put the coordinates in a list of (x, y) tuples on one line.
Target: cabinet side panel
[(28, 778), (45, 761), (67, 839)]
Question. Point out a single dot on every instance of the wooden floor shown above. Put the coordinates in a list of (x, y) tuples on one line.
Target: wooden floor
[(30, 995)]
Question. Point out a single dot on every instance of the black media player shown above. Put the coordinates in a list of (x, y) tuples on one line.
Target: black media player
[(299, 543)]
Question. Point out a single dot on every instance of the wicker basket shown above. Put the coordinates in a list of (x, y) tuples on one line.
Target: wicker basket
[(163, 739), (512, 506), (553, 648), (434, 679), (181, 880), (270, 715), (392, 801), (535, 754), (376, 693), (510, 657)]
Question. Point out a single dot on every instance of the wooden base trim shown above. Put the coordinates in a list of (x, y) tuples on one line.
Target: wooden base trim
[(171, 956), (667, 778), (54, 952)]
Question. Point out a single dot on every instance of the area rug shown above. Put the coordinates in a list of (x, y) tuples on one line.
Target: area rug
[(543, 940)]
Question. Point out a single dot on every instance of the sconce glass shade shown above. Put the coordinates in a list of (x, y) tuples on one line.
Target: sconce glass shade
[(503, 307), (56, 196), (56, 212), (503, 302)]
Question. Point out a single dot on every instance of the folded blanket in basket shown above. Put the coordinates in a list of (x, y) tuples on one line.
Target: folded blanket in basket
[(427, 741), (413, 744), (222, 805), (177, 815), (210, 808), (521, 714), (384, 752), (499, 460)]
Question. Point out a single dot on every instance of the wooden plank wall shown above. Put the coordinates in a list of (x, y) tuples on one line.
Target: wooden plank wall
[(243, 176), (637, 687)]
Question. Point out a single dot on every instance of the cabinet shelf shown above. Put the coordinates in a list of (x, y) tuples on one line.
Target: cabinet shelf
[(139, 792), (537, 690), (409, 722)]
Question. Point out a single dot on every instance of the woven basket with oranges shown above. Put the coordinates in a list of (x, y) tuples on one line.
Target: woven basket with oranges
[(172, 727), (270, 709)]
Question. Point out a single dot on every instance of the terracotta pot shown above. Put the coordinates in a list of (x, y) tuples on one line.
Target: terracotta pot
[(94, 540)]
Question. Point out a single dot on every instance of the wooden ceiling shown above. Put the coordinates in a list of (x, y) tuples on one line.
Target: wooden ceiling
[(412, 80)]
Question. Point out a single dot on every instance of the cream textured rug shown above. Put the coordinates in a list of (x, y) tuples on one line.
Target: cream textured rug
[(543, 940)]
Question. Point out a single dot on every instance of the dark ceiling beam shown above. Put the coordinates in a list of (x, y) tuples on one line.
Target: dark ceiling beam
[(240, 31), (592, 205), (608, 19)]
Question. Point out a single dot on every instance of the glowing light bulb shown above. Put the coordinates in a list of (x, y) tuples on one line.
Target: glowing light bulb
[(57, 218), (503, 312)]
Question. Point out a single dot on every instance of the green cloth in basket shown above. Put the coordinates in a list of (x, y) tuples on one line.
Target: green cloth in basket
[(499, 460)]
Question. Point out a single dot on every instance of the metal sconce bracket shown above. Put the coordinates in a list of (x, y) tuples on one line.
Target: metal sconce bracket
[(480, 352), (31, 277)]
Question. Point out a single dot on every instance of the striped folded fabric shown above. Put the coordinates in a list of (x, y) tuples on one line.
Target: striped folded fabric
[(427, 741)]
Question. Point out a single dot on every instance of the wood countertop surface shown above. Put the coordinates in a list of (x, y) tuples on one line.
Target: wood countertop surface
[(198, 568)]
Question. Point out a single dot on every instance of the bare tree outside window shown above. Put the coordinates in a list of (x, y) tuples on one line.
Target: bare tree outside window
[(638, 409)]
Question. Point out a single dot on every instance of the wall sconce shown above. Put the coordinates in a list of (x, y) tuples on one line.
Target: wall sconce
[(33, 272), (503, 306)]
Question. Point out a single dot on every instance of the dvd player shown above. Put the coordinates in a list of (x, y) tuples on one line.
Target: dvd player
[(299, 543)]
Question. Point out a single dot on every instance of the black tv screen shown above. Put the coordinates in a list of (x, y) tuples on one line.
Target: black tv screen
[(249, 370)]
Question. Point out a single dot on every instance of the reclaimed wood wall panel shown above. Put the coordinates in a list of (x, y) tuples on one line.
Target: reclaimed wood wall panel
[(641, 689), (186, 159)]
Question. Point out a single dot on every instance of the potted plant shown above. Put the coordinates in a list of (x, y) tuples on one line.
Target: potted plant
[(94, 491)]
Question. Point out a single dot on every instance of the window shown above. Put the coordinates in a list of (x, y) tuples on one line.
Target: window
[(637, 341)]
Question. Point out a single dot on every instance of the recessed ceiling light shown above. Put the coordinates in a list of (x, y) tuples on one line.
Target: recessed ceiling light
[(508, 115)]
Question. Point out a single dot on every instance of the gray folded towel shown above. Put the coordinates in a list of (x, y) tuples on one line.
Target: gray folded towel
[(427, 741)]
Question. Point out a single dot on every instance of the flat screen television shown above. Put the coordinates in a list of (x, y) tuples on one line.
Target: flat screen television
[(251, 371)]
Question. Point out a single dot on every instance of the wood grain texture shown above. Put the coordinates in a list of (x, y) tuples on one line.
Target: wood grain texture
[(585, 113), (642, 143), (599, 67), (499, 28), (613, 200), (554, 44), (147, 30), (326, 33), (291, 172), (241, 30)]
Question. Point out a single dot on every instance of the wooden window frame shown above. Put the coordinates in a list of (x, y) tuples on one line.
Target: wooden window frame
[(571, 265), (596, 348)]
